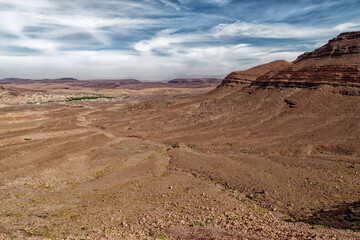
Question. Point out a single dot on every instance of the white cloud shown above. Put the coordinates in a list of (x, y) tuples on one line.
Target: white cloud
[(165, 41), (219, 2), (279, 30), (183, 61), (171, 4), (28, 5), (43, 13), (350, 26), (266, 30), (39, 44)]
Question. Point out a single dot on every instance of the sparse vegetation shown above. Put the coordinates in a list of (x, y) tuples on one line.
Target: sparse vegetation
[(20, 195), (77, 107), (199, 223), (27, 139), (152, 233), (99, 173), (88, 98), (44, 186), (124, 95), (70, 183), (311, 221), (49, 234), (162, 236), (288, 220), (353, 228), (318, 226)]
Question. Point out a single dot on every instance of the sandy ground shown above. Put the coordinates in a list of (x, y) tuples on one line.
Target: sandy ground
[(230, 164)]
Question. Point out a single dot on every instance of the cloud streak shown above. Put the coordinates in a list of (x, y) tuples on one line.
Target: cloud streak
[(279, 30)]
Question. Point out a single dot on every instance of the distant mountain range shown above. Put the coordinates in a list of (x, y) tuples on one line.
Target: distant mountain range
[(120, 83)]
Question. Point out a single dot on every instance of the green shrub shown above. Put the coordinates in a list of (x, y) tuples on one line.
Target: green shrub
[(87, 98), (124, 95)]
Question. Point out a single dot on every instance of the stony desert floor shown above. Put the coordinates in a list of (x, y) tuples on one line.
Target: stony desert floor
[(234, 163)]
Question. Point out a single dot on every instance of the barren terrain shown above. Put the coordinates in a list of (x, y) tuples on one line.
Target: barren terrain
[(236, 163)]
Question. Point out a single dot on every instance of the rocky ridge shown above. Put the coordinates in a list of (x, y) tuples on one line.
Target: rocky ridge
[(250, 75), (337, 63), (345, 45)]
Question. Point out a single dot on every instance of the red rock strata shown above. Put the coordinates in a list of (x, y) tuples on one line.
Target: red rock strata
[(336, 63), (250, 75)]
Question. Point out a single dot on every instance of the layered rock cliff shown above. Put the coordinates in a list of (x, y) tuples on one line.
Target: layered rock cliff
[(336, 63), (250, 75), (343, 49)]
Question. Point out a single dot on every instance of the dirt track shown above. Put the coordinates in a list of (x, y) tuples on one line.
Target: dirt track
[(231, 164)]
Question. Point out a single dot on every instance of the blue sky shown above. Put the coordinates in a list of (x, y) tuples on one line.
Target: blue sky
[(162, 39)]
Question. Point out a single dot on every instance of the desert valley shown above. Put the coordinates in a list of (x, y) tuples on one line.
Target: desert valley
[(272, 152)]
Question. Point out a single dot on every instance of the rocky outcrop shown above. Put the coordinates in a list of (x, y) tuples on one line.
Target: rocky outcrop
[(336, 63), (313, 75), (9, 95), (4, 92), (250, 75), (344, 49)]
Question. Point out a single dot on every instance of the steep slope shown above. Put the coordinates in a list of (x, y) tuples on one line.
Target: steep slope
[(336, 63), (250, 75)]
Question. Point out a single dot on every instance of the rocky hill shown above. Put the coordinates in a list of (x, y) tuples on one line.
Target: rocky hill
[(250, 75), (343, 49), (336, 63)]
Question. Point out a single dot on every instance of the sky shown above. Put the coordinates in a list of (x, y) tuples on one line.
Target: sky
[(162, 39)]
